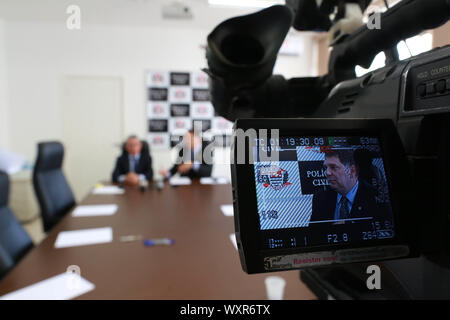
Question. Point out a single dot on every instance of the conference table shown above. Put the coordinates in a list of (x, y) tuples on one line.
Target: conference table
[(202, 264)]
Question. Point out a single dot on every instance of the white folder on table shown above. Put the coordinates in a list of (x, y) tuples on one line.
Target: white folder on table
[(209, 180), (83, 237), (64, 286), (179, 181), (95, 210), (108, 190)]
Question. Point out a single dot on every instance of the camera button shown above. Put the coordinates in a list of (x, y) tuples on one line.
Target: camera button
[(431, 88), (421, 90), (440, 86)]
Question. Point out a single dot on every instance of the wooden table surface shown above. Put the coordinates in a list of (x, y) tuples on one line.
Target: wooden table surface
[(202, 264)]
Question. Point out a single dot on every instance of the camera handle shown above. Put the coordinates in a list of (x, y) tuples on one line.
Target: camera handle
[(407, 19)]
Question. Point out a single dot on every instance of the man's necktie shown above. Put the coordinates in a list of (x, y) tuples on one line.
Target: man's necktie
[(343, 210), (133, 164)]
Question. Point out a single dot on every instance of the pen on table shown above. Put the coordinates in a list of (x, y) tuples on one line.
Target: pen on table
[(130, 238), (158, 242), (148, 242)]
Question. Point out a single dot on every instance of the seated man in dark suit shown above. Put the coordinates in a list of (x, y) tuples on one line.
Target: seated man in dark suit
[(346, 197), (194, 164), (134, 165)]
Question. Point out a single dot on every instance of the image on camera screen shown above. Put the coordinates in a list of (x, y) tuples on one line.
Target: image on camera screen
[(322, 190)]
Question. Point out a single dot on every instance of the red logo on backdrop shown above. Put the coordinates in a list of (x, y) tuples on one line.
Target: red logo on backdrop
[(158, 140), (180, 94), (157, 77), (201, 78), (158, 109), (202, 109), (180, 124)]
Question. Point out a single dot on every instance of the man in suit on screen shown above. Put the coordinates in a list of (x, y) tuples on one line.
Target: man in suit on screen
[(346, 197)]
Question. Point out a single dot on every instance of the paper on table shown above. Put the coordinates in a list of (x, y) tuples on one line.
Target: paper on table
[(233, 240), (222, 180), (83, 237), (209, 180), (179, 181), (108, 190), (227, 209), (95, 210), (64, 286)]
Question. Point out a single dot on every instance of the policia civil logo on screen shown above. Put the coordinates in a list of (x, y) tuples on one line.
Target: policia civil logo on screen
[(272, 176)]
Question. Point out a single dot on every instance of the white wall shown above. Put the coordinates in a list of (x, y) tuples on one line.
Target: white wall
[(40, 54), (4, 118)]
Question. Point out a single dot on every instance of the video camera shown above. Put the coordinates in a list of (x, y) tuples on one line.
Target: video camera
[(394, 121)]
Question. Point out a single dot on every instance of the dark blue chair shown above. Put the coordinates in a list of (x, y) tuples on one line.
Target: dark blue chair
[(6, 262), (14, 240), (54, 194)]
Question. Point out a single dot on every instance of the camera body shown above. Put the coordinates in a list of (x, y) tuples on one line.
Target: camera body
[(413, 94), (286, 204)]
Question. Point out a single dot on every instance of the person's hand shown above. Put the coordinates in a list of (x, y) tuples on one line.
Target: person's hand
[(164, 173), (185, 167), (132, 179)]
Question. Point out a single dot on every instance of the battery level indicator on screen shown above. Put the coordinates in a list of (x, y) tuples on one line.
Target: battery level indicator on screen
[(338, 141), (330, 141)]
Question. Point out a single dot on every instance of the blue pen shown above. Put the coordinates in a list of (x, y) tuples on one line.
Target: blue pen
[(158, 242)]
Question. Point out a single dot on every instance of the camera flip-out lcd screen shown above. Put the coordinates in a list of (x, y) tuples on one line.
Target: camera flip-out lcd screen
[(317, 192), (323, 190)]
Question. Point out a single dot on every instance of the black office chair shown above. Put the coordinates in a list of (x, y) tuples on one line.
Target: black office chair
[(6, 262), (145, 148), (52, 190), (14, 240)]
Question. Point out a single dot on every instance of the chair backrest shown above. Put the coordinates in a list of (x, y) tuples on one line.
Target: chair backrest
[(14, 240), (6, 262), (54, 194), (145, 148)]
